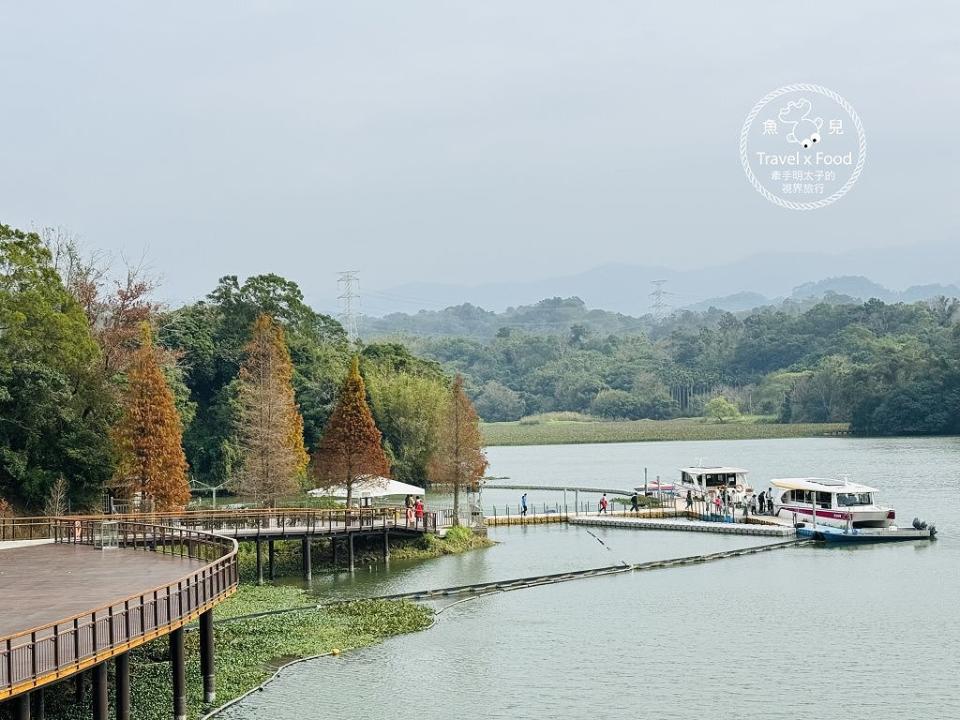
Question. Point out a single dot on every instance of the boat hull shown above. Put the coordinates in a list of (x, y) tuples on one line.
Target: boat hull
[(874, 517), (867, 535)]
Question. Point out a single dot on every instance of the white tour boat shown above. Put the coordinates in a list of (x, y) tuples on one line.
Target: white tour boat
[(837, 503), (707, 480)]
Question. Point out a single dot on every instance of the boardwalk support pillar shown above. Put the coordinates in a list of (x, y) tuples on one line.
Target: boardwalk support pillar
[(121, 670), (270, 558), (386, 544), (206, 657), (307, 560), (39, 705), (179, 672), (259, 564), (100, 702), (78, 687), (352, 554), (334, 548), (23, 706)]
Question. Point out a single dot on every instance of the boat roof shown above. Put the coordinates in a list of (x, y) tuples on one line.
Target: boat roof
[(829, 485), (713, 469)]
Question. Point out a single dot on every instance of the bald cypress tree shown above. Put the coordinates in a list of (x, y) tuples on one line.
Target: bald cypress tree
[(350, 448), (149, 436), (459, 459), (270, 427)]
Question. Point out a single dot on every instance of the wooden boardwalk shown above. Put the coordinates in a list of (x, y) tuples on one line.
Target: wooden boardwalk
[(101, 588), (45, 583)]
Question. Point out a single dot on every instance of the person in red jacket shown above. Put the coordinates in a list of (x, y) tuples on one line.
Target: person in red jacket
[(603, 504), (418, 510)]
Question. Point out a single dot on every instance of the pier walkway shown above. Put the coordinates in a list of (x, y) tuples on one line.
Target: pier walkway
[(722, 528)]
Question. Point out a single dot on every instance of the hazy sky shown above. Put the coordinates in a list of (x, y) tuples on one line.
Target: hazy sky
[(458, 142)]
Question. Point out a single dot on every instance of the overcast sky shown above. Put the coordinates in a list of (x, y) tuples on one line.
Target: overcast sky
[(458, 142)]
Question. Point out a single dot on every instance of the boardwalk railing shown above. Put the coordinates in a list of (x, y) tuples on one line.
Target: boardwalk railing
[(242, 523), (46, 653)]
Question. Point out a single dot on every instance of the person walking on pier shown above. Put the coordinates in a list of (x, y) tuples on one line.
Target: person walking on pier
[(634, 503), (418, 510), (689, 499), (762, 500), (603, 504), (523, 505), (408, 504)]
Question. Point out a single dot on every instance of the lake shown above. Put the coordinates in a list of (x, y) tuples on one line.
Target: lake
[(819, 632)]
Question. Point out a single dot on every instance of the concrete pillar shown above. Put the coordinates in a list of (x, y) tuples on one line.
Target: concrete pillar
[(22, 706), (259, 564), (179, 672), (206, 657), (270, 557), (307, 559), (101, 704), (121, 680), (386, 544), (352, 555), (334, 547)]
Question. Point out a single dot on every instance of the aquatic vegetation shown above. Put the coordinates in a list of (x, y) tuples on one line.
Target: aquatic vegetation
[(557, 432)]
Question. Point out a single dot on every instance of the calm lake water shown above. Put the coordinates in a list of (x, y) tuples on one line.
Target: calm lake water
[(806, 632)]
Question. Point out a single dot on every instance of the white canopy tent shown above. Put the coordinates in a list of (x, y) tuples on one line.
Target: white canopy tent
[(371, 486)]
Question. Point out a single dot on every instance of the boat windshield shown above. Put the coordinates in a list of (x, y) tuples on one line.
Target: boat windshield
[(851, 499)]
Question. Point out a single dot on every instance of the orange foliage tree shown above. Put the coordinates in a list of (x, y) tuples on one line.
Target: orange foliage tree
[(270, 427), (149, 436), (459, 459), (350, 448)]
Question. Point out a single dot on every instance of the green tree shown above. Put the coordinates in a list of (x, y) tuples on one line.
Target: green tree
[(55, 408), (721, 409), (211, 337), (497, 403)]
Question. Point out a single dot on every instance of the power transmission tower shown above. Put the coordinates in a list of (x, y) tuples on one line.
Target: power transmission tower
[(349, 302), (659, 295)]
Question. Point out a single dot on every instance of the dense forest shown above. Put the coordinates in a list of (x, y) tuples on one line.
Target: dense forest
[(97, 381), (885, 368)]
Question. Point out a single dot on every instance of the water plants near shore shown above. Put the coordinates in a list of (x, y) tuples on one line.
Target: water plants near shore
[(565, 432), (249, 650)]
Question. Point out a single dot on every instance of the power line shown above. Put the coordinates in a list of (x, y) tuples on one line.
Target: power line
[(350, 301)]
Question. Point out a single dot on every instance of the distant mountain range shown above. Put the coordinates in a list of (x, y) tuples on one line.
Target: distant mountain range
[(924, 270), (854, 287), (558, 315)]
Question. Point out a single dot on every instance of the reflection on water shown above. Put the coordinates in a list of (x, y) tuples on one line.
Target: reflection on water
[(828, 633)]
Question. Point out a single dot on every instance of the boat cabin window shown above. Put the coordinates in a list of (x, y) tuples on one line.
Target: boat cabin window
[(713, 480), (807, 496), (851, 499)]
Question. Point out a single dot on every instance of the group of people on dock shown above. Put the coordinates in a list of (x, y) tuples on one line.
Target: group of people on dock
[(414, 506), (725, 502)]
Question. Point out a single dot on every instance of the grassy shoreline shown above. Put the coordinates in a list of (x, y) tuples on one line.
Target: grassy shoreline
[(563, 432)]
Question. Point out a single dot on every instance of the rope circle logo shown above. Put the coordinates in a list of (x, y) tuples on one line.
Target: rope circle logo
[(803, 147)]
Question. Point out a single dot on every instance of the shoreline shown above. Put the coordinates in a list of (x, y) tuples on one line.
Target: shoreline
[(572, 432)]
